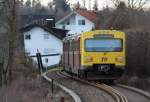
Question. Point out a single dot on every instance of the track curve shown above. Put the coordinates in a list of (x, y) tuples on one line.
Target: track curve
[(70, 92), (118, 97)]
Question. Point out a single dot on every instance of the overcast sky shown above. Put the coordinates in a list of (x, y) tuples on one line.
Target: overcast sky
[(102, 3), (89, 3)]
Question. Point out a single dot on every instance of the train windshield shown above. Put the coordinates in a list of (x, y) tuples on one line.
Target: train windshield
[(102, 45)]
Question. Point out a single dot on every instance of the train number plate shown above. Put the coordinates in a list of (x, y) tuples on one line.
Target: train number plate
[(104, 68)]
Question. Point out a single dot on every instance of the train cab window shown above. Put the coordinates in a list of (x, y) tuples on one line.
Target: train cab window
[(109, 45)]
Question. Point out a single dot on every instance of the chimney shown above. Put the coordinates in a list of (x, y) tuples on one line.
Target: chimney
[(50, 22)]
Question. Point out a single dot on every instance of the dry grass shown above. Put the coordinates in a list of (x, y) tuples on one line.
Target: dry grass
[(28, 86), (24, 90)]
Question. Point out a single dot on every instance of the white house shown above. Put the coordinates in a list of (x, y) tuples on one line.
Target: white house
[(46, 41), (78, 21)]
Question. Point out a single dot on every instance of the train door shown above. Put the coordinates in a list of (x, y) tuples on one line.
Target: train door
[(67, 55), (76, 55), (64, 54), (70, 56), (73, 61)]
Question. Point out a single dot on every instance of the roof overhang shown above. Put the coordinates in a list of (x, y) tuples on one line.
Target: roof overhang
[(59, 33)]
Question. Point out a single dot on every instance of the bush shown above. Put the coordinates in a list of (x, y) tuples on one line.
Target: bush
[(138, 52)]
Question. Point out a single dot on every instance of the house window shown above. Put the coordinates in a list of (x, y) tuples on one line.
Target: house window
[(68, 23), (46, 36), (28, 37), (81, 22), (46, 60), (63, 27)]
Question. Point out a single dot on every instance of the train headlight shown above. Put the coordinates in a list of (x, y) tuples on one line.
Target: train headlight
[(120, 59), (88, 59)]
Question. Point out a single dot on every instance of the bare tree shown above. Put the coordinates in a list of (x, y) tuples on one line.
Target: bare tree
[(11, 26), (28, 3), (136, 4), (132, 4), (115, 2), (84, 3), (95, 6), (77, 6)]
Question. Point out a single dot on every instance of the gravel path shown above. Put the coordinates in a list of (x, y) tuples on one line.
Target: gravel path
[(132, 96), (86, 92)]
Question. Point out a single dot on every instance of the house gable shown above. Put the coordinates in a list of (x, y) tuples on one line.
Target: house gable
[(40, 39), (45, 42), (75, 23)]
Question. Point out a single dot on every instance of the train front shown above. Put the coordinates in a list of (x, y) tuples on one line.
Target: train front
[(103, 54)]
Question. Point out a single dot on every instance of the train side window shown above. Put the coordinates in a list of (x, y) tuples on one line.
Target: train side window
[(70, 47), (67, 46), (76, 45), (73, 45)]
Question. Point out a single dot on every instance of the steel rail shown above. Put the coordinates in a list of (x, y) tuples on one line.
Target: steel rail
[(139, 91), (116, 95), (120, 95), (75, 97)]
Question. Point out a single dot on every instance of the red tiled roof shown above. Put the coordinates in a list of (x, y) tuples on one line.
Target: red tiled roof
[(90, 15)]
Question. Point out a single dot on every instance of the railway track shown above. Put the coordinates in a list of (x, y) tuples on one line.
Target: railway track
[(116, 93), (117, 96), (75, 97), (141, 92), (121, 93), (133, 94)]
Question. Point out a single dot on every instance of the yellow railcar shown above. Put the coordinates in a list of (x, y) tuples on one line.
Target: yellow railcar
[(98, 54)]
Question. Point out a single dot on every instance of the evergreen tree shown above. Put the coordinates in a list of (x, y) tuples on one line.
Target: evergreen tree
[(50, 5), (28, 3), (61, 5), (19, 3), (38, 4), (33, 3), (95, 7), (84, 3), (77, 5)]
